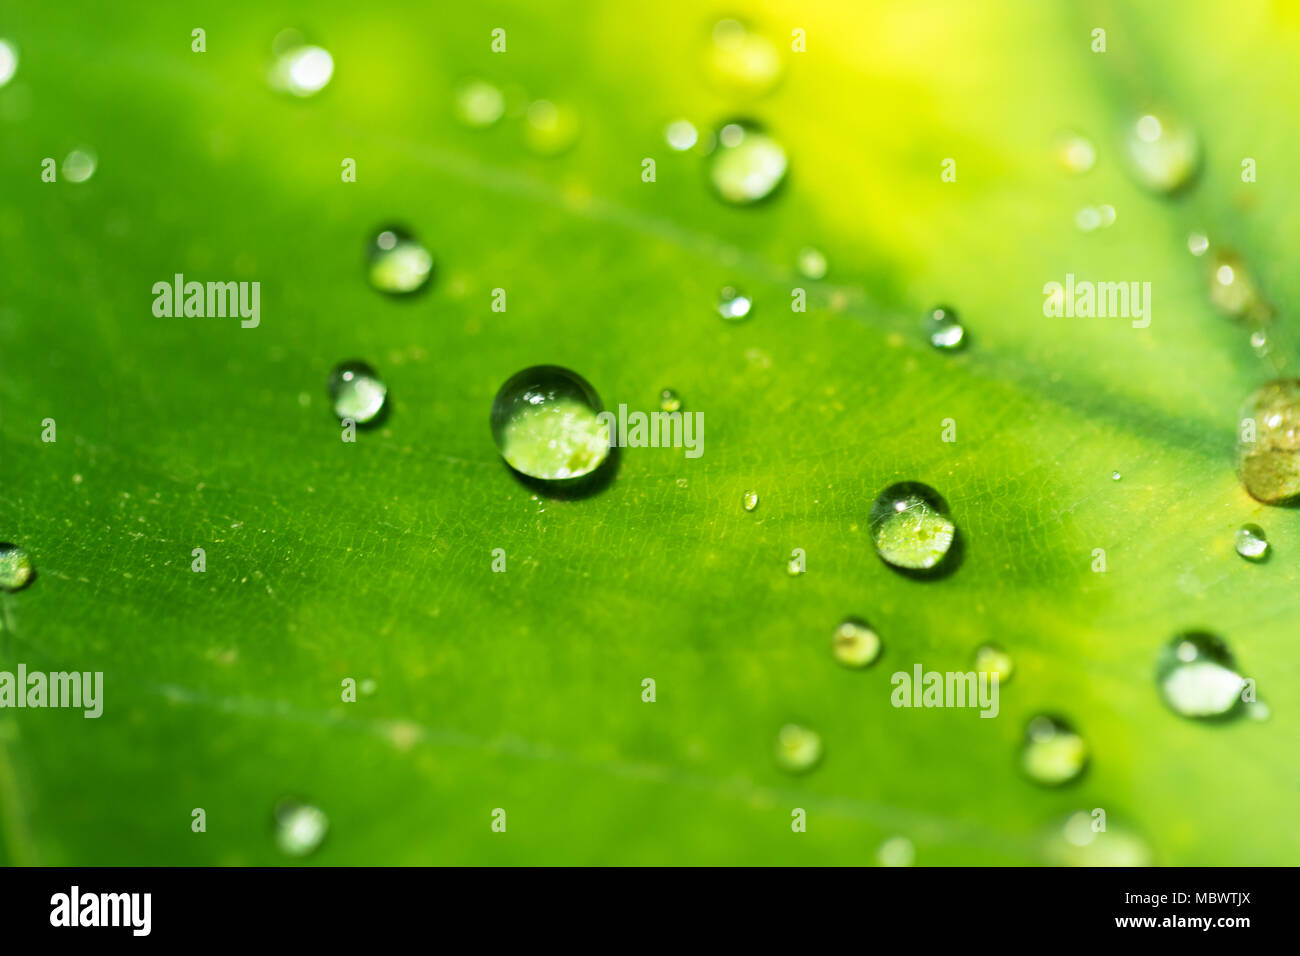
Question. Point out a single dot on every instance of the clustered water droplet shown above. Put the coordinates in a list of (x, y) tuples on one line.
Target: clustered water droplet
[(1053, 753), (910, 526), (855, 643), (16, 568), (546, 424), (357, 392), (1268, 442), (1197, 676)]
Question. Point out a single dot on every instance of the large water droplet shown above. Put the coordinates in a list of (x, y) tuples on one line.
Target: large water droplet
[(741, 60), (356, 391), (545, 424), (1053, 752), (1162, 152), (1252, 544), (8, 61), (855, 643), (1197, 676), (479, 103), (299, 68), (397, 263), (1269, 466), (797, 748), (733, 305), (16, 568), (747, 164), (550, 128), (910, 526), (943, 328), (299, 827), (991, 659)]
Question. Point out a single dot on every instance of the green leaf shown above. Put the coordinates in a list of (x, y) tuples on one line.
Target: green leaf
[(522, 690)]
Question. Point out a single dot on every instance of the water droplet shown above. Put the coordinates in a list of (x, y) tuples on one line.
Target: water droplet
[(8, 61), (795, 567), (16, 568), (812, 264), (896, 851), (741, 60), (1197, 676), (1232, 289), (1115, 476), (751, 500), (1075, 153), (910, 526), (944, 328), (299, 68), (1162, 152), (1079, 842), (669, 401), (1258, 710), (299, 827), (991, 659), (1269, 466), (681, 135), (1259, 342), (733, 305), (1197, 243), (746, 165), (545, 424), (479, 103), (79, 165), (855, 643), (797, 748), (1053, 753), (550, 129), (398, 263), (357, 392), (1251, 542)]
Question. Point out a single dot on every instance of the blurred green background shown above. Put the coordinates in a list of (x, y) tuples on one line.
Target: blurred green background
[(522, 690)]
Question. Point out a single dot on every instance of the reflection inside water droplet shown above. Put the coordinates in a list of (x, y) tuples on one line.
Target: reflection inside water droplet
[(910, 526)]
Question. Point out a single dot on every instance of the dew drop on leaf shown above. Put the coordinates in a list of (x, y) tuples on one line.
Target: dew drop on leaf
[(670, 401), (16, 568), (299, 827), (746, 164), (733, 305), (991, 659), (855, 643), (1162, 152), (299, 68), (910, 526), (545, 424), (681, 135), (1252, 543), (751, 500), (812, 263), (1197, 676), (741, 60), (944, 328), (479, 103), (1053, 753), (356, 391), (397, 263), (1269, 466), (797, 748)]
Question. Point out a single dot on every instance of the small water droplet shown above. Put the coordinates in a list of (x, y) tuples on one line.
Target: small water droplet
[(8, 61), (1232, 288), (545, 424), (1259, 342), (299, 827), (669, 401), (681, 135), (357, 392), (397, 263), (299, 68), (1252, 543), (855, 643), (479, 103), (896, 851), (1162, 152), (746, 164), (550, 128), (1197, 676), (1198, 243), (1053, 752), (1258, 710), (733, 305), (910, 526), (741, 60), (751, 500), (1080, 842), (79, 165), (795, 567), (1075, 153), (944, 328), (991, 659), (1115, 476), (797, 748), (812, 263), (1269, 466), (16, 568)]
